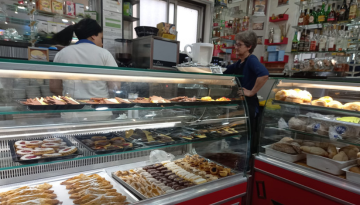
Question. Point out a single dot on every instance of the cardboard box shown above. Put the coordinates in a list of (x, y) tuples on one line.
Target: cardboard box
[(273, 48), (272, 56), (57, 6), (281, 55), (69, 8), (92, 15), (44, 5), (80, 10), (38, 54), (167, 30)]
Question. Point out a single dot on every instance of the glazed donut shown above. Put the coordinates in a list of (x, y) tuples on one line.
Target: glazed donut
[(68, 151), (23, 147), (41, 151), (53, 140), (20, 143), (52, 155), (335, 104), (214, 170), (33, 143), (24, 152), (30, 157), (50, 145)]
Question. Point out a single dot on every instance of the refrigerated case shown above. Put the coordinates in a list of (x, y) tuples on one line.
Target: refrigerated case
[(305, 142), (206, 140)]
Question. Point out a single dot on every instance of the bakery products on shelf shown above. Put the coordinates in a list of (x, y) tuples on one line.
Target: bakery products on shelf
[(355, 106), (102, 143), (40, 194), (46, 148), (157, 99), (115, 100), (335, 104), (297, 123), (54, 100), (294, 96), (223, 99), (92, 190), (206, 98), (321, 103), (183, 99)]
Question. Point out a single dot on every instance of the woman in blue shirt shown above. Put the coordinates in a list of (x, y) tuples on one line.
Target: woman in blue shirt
[(254, 77)]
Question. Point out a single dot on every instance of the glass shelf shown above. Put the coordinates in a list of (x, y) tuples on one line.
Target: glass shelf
[(318, 108), (332, 52), (22, 109), (317, 2), (7, 163), (356, 143)]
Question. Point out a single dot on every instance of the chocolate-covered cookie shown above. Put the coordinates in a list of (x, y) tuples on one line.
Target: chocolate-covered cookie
[(177, 179), (168, 174), (166, 171), (173, 176), (157, 165), (151, 170), (176, 187), (148, 167), (182, 182), (162, 168)]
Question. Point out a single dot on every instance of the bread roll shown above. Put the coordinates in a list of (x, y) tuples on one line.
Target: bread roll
[(297, 124), (282, 147), (341, 157), (355, 106), (293, 96), (286, 139), (328, 99), (332, 151), (323, 145), (305, 96), (294, 100), (355, 169), (351, 151), (336, 104), (314, 150), (281, 95), (318, 128), (321, 103)]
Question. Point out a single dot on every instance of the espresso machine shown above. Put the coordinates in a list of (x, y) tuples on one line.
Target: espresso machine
[(123, 52)]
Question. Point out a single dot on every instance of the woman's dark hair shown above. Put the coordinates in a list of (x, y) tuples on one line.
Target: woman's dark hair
[(83, 30)]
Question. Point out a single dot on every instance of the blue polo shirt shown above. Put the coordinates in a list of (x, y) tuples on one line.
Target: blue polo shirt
[(251, 69)]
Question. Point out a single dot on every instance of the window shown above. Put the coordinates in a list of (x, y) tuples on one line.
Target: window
[(186, 16)]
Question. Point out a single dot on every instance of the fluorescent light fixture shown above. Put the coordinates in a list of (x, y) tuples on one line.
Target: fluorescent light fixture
[(21, 7), (102, 108), (6, 22), (73, 22), (16, 12), (34, 3), (64, 20), (118, 91), (87, 8)]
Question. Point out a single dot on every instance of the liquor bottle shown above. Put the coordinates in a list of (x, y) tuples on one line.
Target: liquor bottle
[(332, 39), (312, 18), (301, 18), (343, 12), (327, 13), (295, 43), (346, 39), (337, 16), (358, 9), (352, 10), (321, 14), (306, 17), (313, 41), (307, 41), (302, 41), (340, 39), (322, 41), (331, 16)]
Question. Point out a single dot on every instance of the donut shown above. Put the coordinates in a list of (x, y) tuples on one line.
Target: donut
[(23, 147), (52, 155), (41, 151), (328, 99), (68, 151), (30, 157), (53, 140), (20, 143), (50, 145), (24, 152)]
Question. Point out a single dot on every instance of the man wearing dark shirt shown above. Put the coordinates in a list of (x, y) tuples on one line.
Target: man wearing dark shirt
[(254, 77)]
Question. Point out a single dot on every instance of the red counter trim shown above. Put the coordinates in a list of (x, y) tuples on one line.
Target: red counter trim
[(217, 196), (308, 182)]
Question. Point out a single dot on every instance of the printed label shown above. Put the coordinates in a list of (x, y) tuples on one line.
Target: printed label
[(313, 45), (340, 130), (321, 18), (301, 20), (316, 127), (311, 19)]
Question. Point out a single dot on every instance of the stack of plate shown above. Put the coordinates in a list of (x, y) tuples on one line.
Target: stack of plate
[(37, 82), (18, 94), (32, 91), (21, 83), (45, 91)]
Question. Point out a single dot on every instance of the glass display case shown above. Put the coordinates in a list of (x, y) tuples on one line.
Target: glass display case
[(313, 125), (116, 134)]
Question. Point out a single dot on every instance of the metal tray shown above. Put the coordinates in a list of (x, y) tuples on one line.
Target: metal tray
[(125, 105), (156, 104), (16, 158), (52, 107), (78, 138), (129, 187)]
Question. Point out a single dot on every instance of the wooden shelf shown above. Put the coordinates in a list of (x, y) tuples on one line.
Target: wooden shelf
[(286, 17), (285, 41)]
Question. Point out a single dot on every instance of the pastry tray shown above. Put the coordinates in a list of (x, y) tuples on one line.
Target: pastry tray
[(310, 106), (283, 155), (16, 158), (52, 107), (157, 143), (62, 192), (78, 138), (352, 176)]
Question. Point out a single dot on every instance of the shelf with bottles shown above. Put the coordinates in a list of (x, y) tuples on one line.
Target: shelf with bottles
[(284, 41), (322, 64), (314, 2)]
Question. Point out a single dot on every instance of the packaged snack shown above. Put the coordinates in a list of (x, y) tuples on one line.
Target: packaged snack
[(44, 5), (57, 6), (80, 10), (69, 8)]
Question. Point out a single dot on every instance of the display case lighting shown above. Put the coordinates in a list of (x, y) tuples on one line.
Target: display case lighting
[(65, 20), (6, 22), (21, 7), (323, 85)]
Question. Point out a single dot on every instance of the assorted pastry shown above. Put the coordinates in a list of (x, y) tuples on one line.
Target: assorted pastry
[(101, 143), (295, 96), (152, 99), (47, 148), (147, 137), (183, 99), (167, 177), (115, 100), (93, 190), (328, 101), (54, 100), (39, 194)]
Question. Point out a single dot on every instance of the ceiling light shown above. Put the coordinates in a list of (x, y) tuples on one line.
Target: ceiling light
[(6, 22), (21, 7), (65, 20), (87, 8)]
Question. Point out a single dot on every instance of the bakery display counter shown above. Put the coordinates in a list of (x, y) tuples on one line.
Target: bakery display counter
[(310, 128), (78, 134)]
